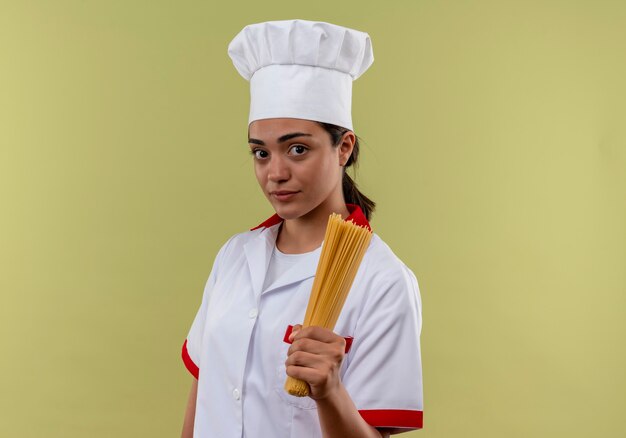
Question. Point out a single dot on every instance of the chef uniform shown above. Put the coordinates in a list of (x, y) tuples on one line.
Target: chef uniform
[(238, 341)]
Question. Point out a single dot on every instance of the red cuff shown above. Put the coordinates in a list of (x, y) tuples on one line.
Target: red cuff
[(191, 366), (393, 418), (348, 339)]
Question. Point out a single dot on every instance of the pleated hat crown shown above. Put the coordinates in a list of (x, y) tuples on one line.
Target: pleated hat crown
[(301, 69)]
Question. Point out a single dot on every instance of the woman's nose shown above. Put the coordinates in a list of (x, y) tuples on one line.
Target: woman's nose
[(278, 170)]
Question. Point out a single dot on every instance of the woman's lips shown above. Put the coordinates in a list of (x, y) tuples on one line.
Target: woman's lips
[(284, 196)]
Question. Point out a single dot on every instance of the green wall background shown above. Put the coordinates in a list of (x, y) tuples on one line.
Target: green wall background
[(494, 143)]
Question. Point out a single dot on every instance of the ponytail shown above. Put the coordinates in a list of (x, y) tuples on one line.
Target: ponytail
[(351, 193)]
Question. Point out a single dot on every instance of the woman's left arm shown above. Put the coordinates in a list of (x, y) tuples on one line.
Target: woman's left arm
[(340, 418), (315, 356)]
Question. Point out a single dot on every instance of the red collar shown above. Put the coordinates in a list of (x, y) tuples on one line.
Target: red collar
[(356, 215)]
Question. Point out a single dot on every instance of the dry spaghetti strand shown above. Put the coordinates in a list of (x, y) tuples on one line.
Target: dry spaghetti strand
[(343, 249)]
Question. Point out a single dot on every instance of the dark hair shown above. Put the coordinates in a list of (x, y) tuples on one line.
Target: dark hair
[(351, 193)]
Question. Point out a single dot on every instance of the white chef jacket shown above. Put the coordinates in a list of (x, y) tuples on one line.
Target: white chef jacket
[(237, 348)]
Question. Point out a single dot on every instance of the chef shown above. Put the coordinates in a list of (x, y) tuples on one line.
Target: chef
[(365, 376)]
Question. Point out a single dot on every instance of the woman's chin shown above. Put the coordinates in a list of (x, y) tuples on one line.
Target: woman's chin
[(287, 211)]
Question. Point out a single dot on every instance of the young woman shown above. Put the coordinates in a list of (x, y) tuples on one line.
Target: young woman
[(365, 375)]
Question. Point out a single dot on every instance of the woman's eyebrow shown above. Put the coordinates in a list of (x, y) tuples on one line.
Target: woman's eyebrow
[(281, 139)]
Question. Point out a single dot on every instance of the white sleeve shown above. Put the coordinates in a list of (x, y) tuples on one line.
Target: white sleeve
[(192, 346), (383, 374)]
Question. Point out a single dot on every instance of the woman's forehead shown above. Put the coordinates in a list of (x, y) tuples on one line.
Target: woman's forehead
[(271, 129)]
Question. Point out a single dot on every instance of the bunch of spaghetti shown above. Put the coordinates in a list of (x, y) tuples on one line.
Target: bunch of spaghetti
[(343, 249)]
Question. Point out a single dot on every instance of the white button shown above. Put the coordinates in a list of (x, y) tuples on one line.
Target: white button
[(236, 394), (253, 313)]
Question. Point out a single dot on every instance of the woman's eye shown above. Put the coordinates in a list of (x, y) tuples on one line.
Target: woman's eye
[(259, 153), (298, 149)]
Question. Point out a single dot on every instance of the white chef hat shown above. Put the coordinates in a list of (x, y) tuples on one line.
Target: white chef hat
[(301, 69)]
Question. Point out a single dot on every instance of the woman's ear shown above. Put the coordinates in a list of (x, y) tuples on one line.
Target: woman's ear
[(346, 146)]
